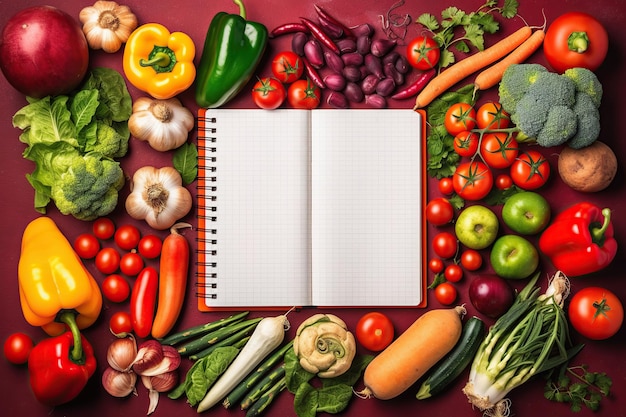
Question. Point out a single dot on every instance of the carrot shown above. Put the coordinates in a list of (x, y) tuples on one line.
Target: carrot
[(492, 75), (414, 352), (173, 270), (470, 65)]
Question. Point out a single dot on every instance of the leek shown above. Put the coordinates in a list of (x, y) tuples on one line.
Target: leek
[(530, 338)]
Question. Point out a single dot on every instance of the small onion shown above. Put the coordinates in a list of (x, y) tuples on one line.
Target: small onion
[(298, 41), (375, 100), (491, 295), (122, 353), (119, 384), (346, 45), (313, 52)]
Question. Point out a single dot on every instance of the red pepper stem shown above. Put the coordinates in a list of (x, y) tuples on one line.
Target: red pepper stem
[(69, 318), (597, 233), (242, 8)]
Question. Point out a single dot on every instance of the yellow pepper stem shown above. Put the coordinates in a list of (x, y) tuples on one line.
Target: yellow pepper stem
[(161, 59)]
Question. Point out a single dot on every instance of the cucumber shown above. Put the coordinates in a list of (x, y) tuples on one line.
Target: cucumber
[(455, 362)]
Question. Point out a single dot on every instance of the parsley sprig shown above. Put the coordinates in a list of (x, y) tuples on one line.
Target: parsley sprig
[(579, 387)]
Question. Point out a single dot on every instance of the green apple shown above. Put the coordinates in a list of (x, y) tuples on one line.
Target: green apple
[(476, 227), (514, 257), (526, 213)]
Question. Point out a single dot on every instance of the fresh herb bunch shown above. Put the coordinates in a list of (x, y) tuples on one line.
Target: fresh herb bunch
[(461, 30), (578, 387)]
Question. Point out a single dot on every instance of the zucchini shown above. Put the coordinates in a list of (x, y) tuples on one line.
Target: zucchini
[(455, 362)]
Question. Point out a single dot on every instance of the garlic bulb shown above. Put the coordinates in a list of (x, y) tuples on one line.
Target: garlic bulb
[(107, 25), (158, 197), (164, 124)]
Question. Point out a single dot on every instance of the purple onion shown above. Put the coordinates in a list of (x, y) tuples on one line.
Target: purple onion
[(391, 72), (375, 100), (385, 87), (402, 65), (337, 100), (362, 29), (313, 52), (363, 44), (352, 59), (368, 85), (380, 47), (334, 61), (352, 73), (353, 92), (491, 295), (374, 65), (346, 45), (298, 41), (335, 82)]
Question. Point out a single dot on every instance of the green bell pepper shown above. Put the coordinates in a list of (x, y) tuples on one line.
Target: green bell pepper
[(232, 51)]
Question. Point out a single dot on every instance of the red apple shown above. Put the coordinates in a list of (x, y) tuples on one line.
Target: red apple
[(43, 51)]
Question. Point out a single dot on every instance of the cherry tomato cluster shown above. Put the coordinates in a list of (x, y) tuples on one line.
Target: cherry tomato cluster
[(287, 69)]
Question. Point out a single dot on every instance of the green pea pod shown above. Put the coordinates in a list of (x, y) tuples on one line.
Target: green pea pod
[(232, 51)]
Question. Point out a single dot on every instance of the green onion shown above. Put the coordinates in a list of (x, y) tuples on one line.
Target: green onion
[(530, 338)]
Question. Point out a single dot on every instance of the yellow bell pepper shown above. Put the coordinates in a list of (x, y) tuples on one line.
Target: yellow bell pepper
[(158, 62), (53, 279)]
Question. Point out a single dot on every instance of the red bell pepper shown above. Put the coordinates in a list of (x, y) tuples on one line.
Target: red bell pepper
[(580, 240), (59, 367)]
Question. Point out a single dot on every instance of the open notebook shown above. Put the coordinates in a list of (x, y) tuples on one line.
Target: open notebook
[(310, 208)]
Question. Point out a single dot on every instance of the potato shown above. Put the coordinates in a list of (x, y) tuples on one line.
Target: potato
[(588, 169)]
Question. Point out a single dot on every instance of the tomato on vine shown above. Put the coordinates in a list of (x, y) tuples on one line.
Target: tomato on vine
[(287, 67), (503, 182), (439, 211), (435, 265), (460, 117), (268, 93), (304, 94), (472, 180), (445, 186), (491, 116), (445, 293), (453, 273), (596, 313), (423, 53), (530, 170), (466, 143), (445, 245), (498, 150)]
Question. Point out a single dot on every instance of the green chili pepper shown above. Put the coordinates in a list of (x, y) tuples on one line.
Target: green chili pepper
[(232, 51)]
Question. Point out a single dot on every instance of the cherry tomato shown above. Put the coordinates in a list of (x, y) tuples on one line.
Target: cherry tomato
[(445, 293), (287, 67), (445, 245), (504, 182), (575, 39), (596, 313), (472, 180), (374, 331), (103, 228), (445, 186), (435, 265), (439, 211), (471, 259), (120, 323), (131, 264), (150, 246), (115, 288), (303, 94), (498, 150), (108, 260), (127, 237), (453, 273), (459, 118), (466, 143), (423, 53), (268, 93), (530, 170), (491, 116), (86, 245), (17, 348)]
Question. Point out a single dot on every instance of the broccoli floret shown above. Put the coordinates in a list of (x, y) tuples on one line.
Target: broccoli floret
[(530, 115), (587, 82), (560, 125), (553, 89), (588, 121), (89, 187), (515, 82), (109, 141)]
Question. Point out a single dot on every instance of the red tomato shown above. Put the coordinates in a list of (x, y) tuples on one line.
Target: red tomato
[(530, 170), (439, 211), (471, 259), (445, 245), (435, 265), (103, 228), (127, 237), (423, 53), (17, 348), (596, 313), (445, 186), (466, 143), (150, 246), (303, 94), (268, 93), (115, 288), (120, 323), (445, 293), (131, 264), (287, 67), (108, 260), (504, 182), (575, 39), (498, 150), (86, 245), (491, 116), (459, 118), (472, 180), (374, 331), (453, 273)]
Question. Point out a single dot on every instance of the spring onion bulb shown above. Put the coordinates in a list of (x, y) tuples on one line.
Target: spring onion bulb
[(530, 338)]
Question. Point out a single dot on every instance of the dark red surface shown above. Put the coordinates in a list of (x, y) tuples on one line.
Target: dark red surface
[(193, 17)]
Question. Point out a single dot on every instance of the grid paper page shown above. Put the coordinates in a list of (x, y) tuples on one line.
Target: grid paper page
[(366, 207)]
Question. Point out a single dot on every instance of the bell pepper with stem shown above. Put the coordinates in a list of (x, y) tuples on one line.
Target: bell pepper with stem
[(232, 51), (59, 367), (53, 279), (158, 62), (580, 240)]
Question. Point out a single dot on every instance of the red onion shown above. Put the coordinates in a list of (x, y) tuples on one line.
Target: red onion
[(491, 295)]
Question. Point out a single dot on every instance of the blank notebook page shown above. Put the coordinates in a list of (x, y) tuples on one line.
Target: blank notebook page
[(366, 207)]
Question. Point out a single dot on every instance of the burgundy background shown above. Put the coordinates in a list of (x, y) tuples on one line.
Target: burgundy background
[(193, 17)]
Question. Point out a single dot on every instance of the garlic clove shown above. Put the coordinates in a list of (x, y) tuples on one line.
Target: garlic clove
[(119, 384)]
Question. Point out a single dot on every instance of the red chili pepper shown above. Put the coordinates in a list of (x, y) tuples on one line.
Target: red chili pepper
[(323, 14), (59, 367), (143, 301), (320, 35), (174, 268), (416, 86), (580, 240), (288, 28), (312, 74)]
